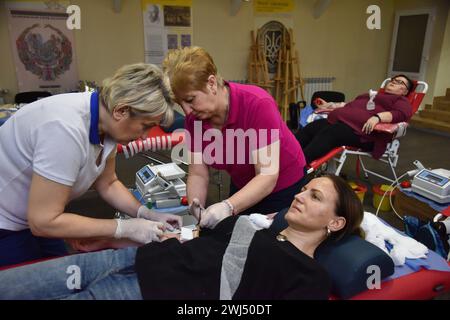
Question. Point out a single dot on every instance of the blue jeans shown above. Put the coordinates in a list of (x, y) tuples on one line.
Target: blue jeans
[(103, 275), (21, 246)]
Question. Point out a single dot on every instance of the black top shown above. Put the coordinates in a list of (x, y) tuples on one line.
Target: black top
[(273, 269)]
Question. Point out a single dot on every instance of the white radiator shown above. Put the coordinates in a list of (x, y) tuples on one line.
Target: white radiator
[(316, 84)]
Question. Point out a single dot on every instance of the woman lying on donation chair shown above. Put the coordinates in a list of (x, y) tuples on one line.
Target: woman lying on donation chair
[(274, 267), (352, 124)]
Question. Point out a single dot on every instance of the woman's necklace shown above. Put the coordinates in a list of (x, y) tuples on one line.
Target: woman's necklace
[(281, 237)]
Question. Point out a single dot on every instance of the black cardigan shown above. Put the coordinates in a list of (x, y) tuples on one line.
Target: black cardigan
[(273, 269)]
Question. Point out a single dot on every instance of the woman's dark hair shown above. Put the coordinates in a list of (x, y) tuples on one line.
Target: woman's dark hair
[(410, 83), (348, 206)]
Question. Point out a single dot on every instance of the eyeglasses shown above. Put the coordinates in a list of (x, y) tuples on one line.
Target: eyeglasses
[(399, 82)]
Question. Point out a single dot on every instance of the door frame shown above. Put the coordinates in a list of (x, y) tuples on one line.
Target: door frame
[(426, 45)]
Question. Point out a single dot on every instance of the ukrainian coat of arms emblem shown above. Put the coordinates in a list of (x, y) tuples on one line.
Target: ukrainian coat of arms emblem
[(46, 58)]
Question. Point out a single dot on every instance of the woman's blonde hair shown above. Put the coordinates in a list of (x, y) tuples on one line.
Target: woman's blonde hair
[(142, 87), (189, 69)]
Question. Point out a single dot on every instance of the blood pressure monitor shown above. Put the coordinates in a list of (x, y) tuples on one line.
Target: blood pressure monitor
[(160, 182), (146, 180), (145, 175), (433, 184)]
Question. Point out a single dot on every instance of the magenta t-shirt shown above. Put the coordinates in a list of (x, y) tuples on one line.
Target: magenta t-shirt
[(253, 123)]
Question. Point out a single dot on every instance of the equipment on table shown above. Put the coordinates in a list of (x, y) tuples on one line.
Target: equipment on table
[(433, 184), (161, 185)]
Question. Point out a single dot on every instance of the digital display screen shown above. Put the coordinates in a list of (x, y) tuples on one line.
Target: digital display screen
[(434, 178), (145, 175)]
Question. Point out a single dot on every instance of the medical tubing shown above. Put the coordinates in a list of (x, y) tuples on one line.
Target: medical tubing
[(392, 205), (150, 143)]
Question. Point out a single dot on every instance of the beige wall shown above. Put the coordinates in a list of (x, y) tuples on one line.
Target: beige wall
[(443, 74), (7, 72), (337, 44), (226, 37), (108, 40)]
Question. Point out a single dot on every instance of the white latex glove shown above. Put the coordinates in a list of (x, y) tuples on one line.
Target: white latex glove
[(214, 214), (170, 221), (139, 230), (195, 208)]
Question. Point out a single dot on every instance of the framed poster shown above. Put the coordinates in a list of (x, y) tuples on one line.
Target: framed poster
[(43, 47), (167, 25)]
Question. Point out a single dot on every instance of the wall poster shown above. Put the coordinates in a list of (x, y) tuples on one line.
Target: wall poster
[(167, 25), (43, 47)]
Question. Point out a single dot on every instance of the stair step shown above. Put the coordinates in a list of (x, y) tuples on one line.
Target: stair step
[(441, 103), (439, 115), (418, 121)]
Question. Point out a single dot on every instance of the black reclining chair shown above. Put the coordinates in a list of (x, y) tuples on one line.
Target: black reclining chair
[(30, 96), (328, 96), (294, 108)]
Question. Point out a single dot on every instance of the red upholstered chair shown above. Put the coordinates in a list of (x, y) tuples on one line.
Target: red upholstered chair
[(30, 96)]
